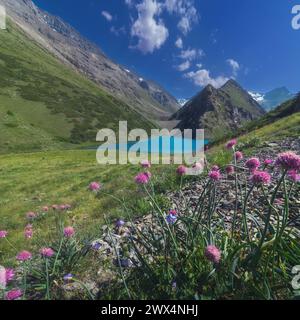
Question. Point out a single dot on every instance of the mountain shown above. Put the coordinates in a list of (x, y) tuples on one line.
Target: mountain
[(286, 109), (273, 98), (63, 41), (218, 110), (182, 102), (45, 104)]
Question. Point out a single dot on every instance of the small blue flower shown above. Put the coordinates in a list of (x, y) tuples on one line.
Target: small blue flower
[(68, 277), (171, 218), (120, 223), (96, 245)]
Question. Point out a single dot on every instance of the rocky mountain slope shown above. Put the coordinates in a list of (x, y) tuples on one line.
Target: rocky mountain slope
[(70, 47), (46, 105), (287, 109), (218, 110)]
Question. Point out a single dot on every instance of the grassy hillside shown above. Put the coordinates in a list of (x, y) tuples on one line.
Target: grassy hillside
[(29, 182), (44, 104)]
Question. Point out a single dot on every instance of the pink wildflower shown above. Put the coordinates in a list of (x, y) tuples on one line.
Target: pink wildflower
[(173, 212), (143, 178), (229, 169), (3, 234), (46, 252), (268, 162), (238, 155), (215, 175), (252, 164), (28, 233), (261, 177), (146, 164), (213, 254), (230, 144), (9, 274), (294, 176), (13, 294), (215, 168), (95, 186), (288, 160), (54, 206), (45, 209), (24, 256), (31, 215), (198, 166), (69, 232), (181, 170)]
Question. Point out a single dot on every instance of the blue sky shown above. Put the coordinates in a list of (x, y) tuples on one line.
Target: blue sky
[(250, 40)]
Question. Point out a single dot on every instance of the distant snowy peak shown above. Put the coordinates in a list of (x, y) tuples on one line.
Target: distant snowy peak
[(257, 96), (273, 98), (182, 102)]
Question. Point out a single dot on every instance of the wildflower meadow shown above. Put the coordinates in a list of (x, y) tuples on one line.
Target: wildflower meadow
[(199, 247)]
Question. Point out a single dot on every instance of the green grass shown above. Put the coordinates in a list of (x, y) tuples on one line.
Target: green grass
[(28, 182), (44, 104)]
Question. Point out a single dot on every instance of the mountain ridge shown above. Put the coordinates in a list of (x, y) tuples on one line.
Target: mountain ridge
[(218, 110), (67, 44)]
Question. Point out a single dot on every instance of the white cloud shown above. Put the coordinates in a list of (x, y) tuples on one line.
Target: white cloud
[(202, 78), (234, 65), (191, 54), (118, 31), (187, 12), (179, 43), (151, 32), (184, 66), (107, 15)]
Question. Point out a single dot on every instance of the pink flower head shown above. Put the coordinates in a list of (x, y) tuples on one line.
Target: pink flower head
[(213, 254), (13, 294), (279, 202), (252, 164), (294, 176), (46, 252), (45, 209), (148, 174), (181, 170), (229, 169), (143, 178), (31, 215), (24, 256), (28, 233), (173, 212), (215, 168), (69, 232), (54, 206), (268, 162), (215, 175), (9, 274), (261, 177), (3, 234), (288, 160), (238, 155), (146, 164), (95, 186), (230, 144), (62, 207), (198, 166)]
